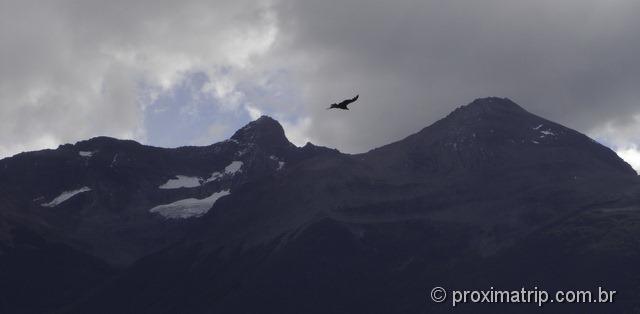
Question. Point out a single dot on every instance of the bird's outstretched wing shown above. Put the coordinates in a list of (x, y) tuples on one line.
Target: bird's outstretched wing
[(348, 101)]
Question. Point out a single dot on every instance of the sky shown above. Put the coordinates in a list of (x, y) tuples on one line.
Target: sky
[(191, 72)]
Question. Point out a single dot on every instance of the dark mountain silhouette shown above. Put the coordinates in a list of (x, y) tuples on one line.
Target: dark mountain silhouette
[(489, 196)]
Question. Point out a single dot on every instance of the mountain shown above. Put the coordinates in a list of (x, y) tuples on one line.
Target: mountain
[(489, 196), (494, 133)]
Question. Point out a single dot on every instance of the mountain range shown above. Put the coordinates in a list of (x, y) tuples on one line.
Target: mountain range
[(489, 196)]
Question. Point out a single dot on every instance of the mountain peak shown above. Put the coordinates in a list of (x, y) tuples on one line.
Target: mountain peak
[(492, 133), (493, 101), (264, 131), (489, 106)]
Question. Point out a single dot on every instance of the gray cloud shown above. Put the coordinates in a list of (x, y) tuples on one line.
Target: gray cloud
[(74, 69), (412, 62)]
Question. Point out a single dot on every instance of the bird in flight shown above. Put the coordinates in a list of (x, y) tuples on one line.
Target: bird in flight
[(343, 104)]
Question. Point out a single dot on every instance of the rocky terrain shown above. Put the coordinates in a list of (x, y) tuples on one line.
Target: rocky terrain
[(489, 196)]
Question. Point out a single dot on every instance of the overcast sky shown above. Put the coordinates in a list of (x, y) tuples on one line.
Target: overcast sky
[(172, 73)]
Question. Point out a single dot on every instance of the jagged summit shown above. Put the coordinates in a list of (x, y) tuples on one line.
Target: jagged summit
[(264, 131)]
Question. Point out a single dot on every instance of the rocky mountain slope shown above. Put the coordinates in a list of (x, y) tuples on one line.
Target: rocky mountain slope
[(490, 195)]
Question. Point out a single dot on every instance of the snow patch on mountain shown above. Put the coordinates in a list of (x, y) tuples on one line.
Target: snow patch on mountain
[(214, 176), (233, 167), (114, 161), (280, 163), (65, 196), (546, 133), (188, 208), (181, 182), (85, 154)]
